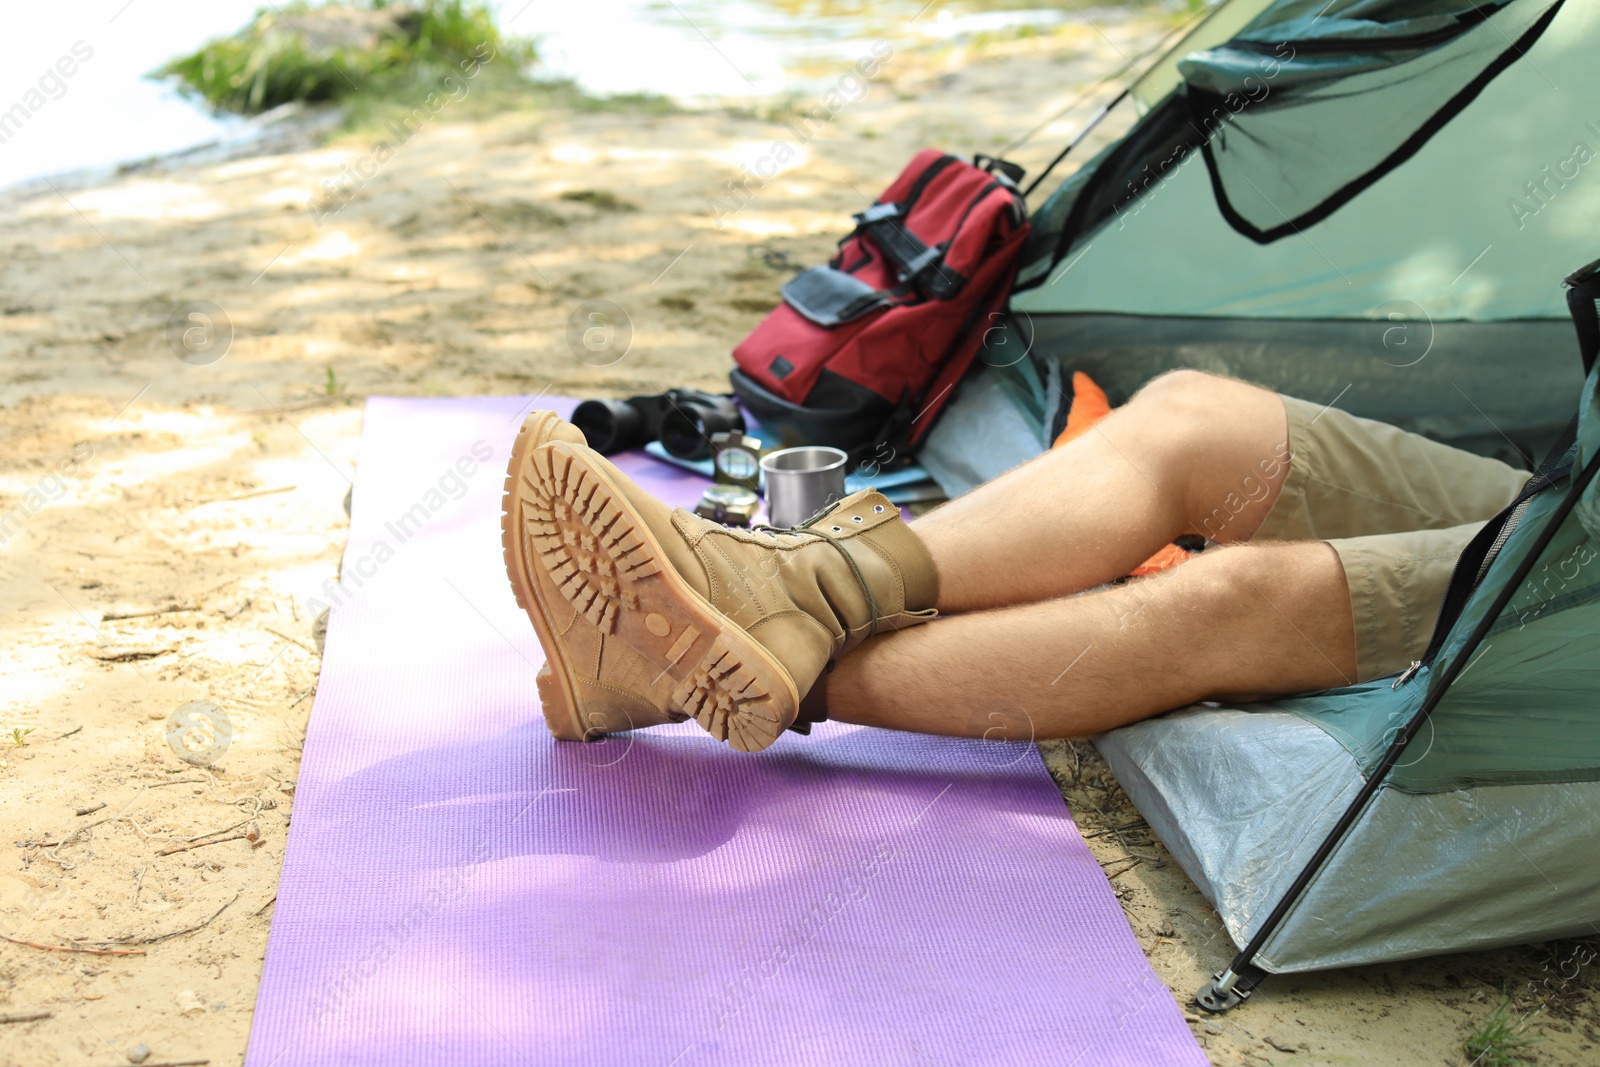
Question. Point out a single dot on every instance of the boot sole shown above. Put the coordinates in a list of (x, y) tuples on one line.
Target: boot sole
[(575, 524), (557, 694)]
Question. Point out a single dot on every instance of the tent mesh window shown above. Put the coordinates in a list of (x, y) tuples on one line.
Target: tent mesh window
[(1299, 112)]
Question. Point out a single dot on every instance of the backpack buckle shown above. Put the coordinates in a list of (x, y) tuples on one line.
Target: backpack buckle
[(877, 213), (915, 266)]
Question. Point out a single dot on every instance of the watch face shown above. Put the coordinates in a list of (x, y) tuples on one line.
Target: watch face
[(736, 464)]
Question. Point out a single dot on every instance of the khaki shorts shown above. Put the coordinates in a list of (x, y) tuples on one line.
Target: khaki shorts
[(1397, 508)]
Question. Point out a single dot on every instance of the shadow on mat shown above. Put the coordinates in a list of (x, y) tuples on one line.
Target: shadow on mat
[(659, 797)]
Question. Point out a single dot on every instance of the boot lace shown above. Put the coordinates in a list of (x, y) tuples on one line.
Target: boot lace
[(808, 530)]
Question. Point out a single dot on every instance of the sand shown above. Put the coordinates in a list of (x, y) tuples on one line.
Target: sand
[(177, 515)]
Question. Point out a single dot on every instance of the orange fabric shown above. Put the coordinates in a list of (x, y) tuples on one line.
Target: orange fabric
[(1089, 406), (1169, 556)]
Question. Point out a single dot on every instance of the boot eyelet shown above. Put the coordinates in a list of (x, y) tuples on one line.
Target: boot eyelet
[(837, 529), (855, 518), (878, 508)]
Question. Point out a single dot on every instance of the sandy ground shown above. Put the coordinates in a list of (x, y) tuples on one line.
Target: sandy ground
[(174, 516)]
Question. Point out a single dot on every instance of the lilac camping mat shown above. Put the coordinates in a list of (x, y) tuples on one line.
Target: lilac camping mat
[(460, 889)]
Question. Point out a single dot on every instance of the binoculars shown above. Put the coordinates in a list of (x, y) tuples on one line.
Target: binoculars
[(683, 420)]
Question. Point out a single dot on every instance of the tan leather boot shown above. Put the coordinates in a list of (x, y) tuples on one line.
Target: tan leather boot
[(650, 614)]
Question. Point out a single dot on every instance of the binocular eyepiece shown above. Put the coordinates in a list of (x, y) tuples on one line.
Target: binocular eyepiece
[(683, 420)]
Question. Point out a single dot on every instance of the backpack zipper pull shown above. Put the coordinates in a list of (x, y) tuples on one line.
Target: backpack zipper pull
[(1406, 675)]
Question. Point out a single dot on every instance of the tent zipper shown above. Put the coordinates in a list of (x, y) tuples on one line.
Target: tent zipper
[(1440, 623), (1512, 521), (1473, 565)]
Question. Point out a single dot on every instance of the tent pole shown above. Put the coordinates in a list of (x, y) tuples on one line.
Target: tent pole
[(1163, 46), (1229, 988)]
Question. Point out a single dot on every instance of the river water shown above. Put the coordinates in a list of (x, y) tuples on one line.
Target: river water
[(106, 112)]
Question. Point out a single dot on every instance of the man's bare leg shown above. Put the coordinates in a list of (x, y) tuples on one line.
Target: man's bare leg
[(1190, 453), (1242, 622)]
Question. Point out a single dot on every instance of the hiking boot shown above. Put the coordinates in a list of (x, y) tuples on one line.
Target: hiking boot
[(649, 614)]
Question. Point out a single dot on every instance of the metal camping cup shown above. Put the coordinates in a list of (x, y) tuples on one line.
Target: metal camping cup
[(802, 481)]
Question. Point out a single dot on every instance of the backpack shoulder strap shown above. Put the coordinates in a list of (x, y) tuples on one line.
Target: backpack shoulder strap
[(914, 261)]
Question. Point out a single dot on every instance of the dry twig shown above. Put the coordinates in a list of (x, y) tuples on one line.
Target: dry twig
[(199, 844), (74, 948), (291, 640), (217, 588), (55, 846), (148, 613), (1133, 862), (248, 494), (260, 807), (129, 655), (176, 933)]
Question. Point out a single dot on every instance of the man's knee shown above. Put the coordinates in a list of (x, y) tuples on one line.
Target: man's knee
[(1196, 395), (1177, 416), (1220, 444)]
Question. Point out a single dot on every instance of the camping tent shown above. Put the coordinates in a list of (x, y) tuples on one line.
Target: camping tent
[(1367, 202)]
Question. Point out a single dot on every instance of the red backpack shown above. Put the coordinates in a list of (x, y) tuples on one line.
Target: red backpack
[(865, 351)]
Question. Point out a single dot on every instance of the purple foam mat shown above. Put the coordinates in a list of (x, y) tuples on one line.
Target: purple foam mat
[(460, 889)]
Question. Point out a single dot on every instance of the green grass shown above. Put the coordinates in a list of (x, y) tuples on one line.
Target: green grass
[(272, 62), (1495, 1042)]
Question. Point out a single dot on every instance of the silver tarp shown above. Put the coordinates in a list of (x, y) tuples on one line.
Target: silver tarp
[(1243, 797)]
